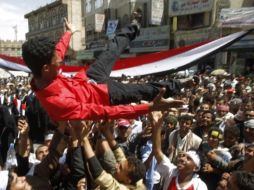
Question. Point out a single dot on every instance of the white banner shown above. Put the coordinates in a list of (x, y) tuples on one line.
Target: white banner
[(180, 60), (186, 7), (237, 18)]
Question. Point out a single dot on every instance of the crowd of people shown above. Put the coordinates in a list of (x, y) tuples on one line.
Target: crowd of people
[(207, 143), (201, 137)]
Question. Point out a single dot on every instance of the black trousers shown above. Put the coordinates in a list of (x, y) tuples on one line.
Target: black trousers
[(121, 93)]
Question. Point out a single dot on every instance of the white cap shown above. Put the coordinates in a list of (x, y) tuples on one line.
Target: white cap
[(195, 157), (249, 123), (4, 179), (49, 137)]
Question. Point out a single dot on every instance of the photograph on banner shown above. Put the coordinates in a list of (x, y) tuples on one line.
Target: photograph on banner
[(99, 22), (157, 11)]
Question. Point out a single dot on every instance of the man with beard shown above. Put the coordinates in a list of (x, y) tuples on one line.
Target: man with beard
[(183, 139), (181, 176)]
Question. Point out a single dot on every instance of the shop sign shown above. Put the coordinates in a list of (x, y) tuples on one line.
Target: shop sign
[(237, 18), (151, 39), (190, 38), (186, 7)]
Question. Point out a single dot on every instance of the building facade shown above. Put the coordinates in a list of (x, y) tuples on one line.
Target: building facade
[(151, 39), (11, 48), (47, 21), (165, 24)]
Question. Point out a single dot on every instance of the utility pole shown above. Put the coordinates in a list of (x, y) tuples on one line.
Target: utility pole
[(15, 28)]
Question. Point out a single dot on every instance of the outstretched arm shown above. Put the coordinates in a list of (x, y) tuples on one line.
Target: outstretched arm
[(63, 43), (50, 163), (156, 121), (24, 141)]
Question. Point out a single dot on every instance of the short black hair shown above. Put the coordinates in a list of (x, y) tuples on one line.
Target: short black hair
[(232, 130), (37, 52), (211, 112), (186, 117), (244, 180), (137, 169), (208, 98), (170, 119)]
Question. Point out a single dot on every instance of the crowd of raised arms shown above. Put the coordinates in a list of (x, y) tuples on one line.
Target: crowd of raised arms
[(208, 142)]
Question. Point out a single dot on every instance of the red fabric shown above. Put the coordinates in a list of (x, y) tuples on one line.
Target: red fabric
[(23, 106), (152, 57), (15, 102), (120, 63), (172, 185), (18, 60), (74, 98)]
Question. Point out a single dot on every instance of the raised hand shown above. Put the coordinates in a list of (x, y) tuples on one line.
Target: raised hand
[(69, 27), (85, 129), (107, 127), (161, 104), (23, 127)]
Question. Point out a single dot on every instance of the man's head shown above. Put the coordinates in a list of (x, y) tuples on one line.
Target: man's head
[(249, 152), (38, 53), (241, 180), (124, 128), (222, 110), (10, 180), (41, 152), (208, 119), (188, 162), (170, 122), (205, 106), (130, 171), (231, 136), (234, 105), (248, 132), (215, 135), (198, 117), (185, 123)]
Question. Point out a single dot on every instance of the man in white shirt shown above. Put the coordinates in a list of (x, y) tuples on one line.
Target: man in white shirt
[(183, 139), (181, 176)]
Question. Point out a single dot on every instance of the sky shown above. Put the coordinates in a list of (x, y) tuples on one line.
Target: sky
[(12, 13)]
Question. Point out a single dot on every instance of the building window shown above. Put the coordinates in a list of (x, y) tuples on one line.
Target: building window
[(193, 21), (88, 6), (98, 3)]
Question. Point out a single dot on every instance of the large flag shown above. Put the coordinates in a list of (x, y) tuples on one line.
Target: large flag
[(171, 60)]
